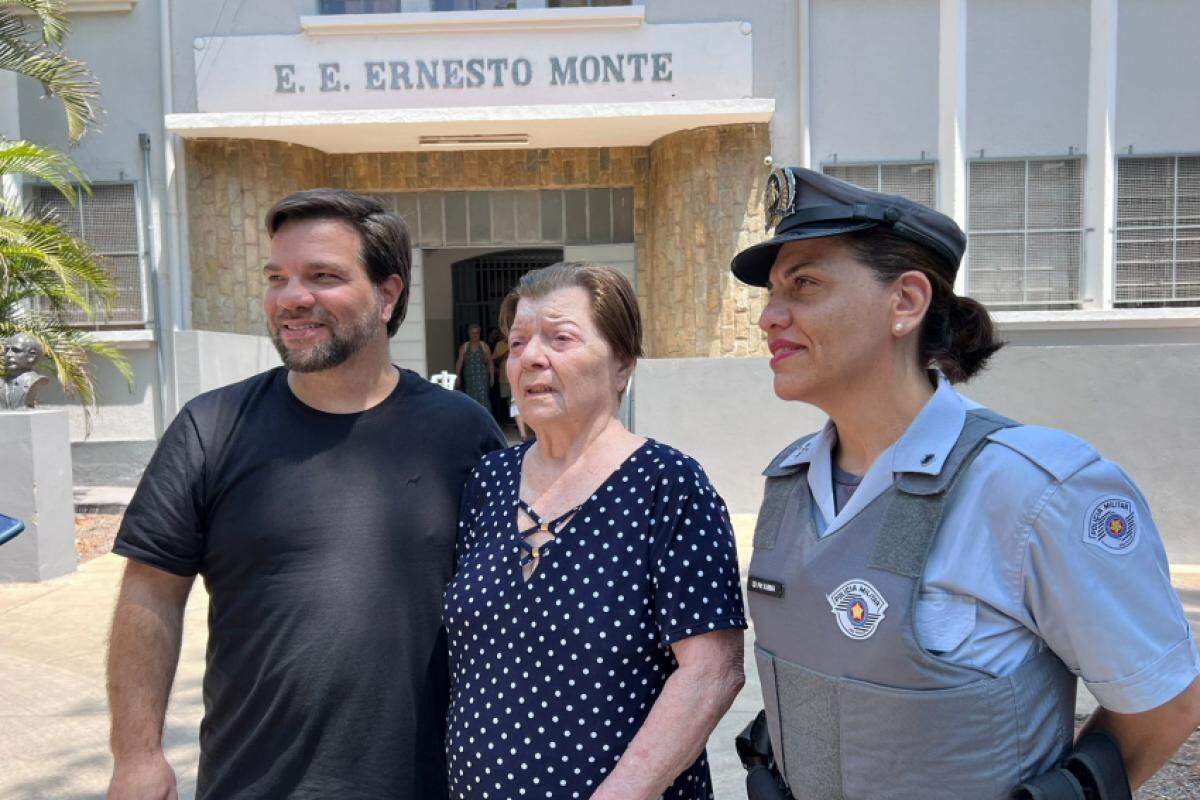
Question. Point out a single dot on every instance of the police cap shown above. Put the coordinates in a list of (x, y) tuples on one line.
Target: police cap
[(802, 204)]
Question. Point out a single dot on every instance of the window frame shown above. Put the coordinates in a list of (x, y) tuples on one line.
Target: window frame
[(1174, 225), (1048, 306), (879, 166), (544, 5), (29, 189)]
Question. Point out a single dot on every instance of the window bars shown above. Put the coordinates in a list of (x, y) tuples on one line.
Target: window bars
[(393, 6), (1157, 231), (107, 220), (537, 216), (1025, 232), (915, 180)]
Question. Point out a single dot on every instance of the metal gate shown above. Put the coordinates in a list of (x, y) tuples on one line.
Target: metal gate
[(481, 283)]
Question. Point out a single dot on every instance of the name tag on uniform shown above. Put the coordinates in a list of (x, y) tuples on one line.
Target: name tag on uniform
[(764, 586)]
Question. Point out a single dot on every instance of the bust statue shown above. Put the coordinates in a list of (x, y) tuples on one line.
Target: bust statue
[(21, 384)]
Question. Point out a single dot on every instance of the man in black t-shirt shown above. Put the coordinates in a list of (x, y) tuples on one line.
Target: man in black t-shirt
[(319, 502)]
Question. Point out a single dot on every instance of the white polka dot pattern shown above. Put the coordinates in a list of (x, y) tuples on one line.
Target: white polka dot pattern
[(551, 679)]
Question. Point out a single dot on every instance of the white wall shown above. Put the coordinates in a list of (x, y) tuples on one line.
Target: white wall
[(874, 76), (1158, 76), (775, 30), (1027, 77), (408, 345), (199, 18), (130, 94), (124, 413), (207, 360), (1135, 403)]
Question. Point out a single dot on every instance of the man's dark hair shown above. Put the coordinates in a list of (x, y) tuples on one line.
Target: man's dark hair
[(384, 245)]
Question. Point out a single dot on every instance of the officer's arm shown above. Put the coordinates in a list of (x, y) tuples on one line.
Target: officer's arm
[(1098, 587), (693, 700), (143, 653), (1148, 739)]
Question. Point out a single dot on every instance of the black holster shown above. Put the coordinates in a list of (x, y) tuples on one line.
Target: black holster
[(1095, 770), (763, 781)]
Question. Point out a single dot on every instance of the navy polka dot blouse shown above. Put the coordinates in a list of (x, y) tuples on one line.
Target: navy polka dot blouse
[(552, 678)]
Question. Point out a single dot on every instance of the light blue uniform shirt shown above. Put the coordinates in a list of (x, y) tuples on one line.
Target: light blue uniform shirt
[(1043, 543)]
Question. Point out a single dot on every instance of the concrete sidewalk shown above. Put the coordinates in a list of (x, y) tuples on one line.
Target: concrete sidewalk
[(53, 715), (53, 711)]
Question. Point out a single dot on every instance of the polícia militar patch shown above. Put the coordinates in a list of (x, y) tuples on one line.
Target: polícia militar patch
[(858, 608), (1111, 525)]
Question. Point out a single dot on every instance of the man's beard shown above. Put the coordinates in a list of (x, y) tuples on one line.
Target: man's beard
[(343, 342)]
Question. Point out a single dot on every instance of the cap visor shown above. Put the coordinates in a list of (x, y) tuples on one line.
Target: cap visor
[(753, 265)]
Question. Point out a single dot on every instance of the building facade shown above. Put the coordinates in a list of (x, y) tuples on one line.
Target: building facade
[(1063, 135)]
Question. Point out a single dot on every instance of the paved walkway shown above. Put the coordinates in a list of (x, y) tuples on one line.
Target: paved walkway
[(53, 719)]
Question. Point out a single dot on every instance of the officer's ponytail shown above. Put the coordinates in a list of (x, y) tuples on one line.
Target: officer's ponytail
[(957, 335)]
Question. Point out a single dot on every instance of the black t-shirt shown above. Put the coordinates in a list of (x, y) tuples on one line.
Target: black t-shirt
[(325, 542)]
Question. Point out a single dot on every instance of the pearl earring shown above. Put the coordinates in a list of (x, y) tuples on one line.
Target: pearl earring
[(899, 327)]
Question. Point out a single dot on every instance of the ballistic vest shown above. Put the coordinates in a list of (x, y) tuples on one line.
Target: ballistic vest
[(857, 709)]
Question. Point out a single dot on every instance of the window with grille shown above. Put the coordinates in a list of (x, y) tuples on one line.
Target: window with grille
[(359, 6), (393, 6), (1158, 231), (545, 216), (1025, 232), (916, 181), (107, 220)]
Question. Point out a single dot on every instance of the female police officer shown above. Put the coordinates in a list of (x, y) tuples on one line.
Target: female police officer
[(929, 578)]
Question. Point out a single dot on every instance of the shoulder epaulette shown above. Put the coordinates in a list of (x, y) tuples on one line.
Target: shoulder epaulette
[(1057, 452)]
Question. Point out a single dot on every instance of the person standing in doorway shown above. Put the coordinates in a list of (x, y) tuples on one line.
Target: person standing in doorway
[(474, 367), (319, 501)]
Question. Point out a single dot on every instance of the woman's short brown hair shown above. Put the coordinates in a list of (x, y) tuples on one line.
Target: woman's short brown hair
[(614, 304)]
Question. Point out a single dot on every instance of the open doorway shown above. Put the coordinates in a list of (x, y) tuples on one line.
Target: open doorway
[(465, 286), (481, 283)]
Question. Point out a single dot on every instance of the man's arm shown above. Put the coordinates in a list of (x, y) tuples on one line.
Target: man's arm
[(143, 652), (693, 700), (1148, 739)]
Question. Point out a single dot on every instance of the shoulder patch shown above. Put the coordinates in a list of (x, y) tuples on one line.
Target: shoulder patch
[(1111, 524), (1057, 452)]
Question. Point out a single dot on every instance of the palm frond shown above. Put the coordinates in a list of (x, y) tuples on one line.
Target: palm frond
[(18, 157), (52, 14), (61, 76)]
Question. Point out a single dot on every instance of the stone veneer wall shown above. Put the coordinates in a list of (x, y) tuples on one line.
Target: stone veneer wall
[(696, 201), (232, 184), (706, 204)]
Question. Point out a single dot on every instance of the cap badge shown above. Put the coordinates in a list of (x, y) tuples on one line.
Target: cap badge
[(858, 608), (779, 198)]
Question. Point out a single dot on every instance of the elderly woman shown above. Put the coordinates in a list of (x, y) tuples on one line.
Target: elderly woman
[(474, 367), (595, 619)]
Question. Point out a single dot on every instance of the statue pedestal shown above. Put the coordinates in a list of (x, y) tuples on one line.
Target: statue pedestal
[(35, 487)]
